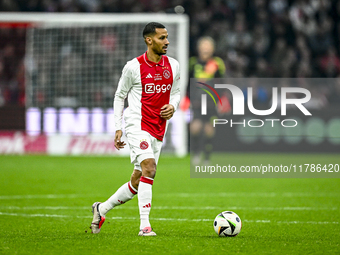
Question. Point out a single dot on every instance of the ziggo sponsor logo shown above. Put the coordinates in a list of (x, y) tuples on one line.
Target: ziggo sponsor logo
[(152, 88)]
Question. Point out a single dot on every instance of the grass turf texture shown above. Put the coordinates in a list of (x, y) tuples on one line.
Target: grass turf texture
[(45, 205)]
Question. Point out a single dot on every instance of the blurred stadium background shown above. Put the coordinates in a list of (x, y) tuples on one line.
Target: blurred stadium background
[(260, 38)]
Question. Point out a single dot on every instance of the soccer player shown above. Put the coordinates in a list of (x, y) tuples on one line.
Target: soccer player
[(203, 68), (151, 84)]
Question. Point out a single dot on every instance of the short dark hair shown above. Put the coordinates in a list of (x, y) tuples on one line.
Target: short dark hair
[(150, 28)]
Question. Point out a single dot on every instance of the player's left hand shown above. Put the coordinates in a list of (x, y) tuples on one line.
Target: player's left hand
[(118, 143), (167, 111)]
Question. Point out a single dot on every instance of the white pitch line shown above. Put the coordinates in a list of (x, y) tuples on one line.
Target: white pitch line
[(182, 195), (34, 215), (46, 196), (167, 219), (46, 207), (287, 208), (307, 222), (124, 207), (253, 194)]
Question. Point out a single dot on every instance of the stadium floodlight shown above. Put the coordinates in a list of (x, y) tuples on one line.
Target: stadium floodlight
[(74, 60)]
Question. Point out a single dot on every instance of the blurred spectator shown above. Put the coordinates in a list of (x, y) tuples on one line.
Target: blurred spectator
[(9, 6), (110, 6), (49, 6), (278, 7), (289, 63), (330, 63), (260, 45), (334, 95), (222, 43), (2, 84), (262, 68), (302, 17), (323, 38), (219, 8), (277, 55), (304, 70), (240, 38), (238, 64)]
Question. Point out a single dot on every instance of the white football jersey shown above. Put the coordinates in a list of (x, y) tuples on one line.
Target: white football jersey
[(148, 86)]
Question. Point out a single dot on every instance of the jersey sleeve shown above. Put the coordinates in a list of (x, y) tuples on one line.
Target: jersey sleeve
[(124, 86), (221, 67), (175, 94)]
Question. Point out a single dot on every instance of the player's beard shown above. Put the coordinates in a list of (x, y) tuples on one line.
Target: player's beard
[(160, 52)]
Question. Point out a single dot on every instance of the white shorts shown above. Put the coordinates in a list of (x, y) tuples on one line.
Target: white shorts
[(143, 146)]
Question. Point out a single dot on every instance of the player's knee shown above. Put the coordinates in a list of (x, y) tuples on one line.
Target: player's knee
[(149, 168), (150, 173)]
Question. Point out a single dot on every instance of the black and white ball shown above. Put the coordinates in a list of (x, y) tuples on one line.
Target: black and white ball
[(227, 224)]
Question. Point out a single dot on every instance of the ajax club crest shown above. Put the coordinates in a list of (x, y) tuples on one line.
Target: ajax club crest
[(166, 74), (143, 145)]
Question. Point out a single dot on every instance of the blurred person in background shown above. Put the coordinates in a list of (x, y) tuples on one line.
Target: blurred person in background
[(277, 55), (330, 63), (203, 68)]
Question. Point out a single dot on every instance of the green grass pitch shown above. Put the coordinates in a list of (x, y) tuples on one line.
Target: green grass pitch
[(45, 208)]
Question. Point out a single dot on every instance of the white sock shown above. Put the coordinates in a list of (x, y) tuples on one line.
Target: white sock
[(144, 200), (125, 193)]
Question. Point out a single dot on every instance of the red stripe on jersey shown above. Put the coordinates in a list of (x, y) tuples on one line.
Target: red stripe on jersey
[(146, 180), (131, 189), (156, 79)]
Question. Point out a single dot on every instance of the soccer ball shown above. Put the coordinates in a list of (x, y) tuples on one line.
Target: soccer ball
[(227, 224)]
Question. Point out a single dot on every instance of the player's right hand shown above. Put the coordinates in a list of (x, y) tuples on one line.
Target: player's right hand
[(118, 143)]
